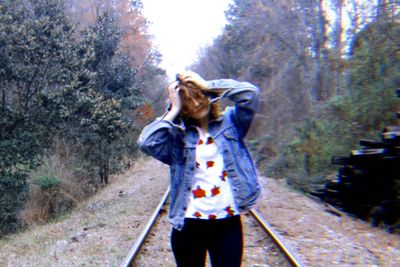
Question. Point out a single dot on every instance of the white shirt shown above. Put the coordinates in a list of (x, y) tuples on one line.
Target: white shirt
[(211, 195)]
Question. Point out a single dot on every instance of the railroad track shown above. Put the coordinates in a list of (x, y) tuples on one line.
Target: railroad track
[(286, 258)]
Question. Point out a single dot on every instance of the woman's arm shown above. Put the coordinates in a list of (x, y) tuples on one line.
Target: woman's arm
[(244, 94), (157, 138), (246, 98)]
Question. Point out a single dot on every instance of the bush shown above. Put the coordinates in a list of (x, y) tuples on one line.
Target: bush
[(45, 182), (13, 192)]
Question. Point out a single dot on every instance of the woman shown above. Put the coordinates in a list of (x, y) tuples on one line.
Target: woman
[(212, 177)]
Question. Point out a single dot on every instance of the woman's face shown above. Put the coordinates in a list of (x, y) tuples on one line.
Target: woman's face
[(195, 104)]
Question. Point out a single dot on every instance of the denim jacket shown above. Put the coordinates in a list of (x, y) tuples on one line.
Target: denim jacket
[(175, 145)]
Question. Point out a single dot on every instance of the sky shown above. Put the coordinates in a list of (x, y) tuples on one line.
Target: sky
[(182, 27)]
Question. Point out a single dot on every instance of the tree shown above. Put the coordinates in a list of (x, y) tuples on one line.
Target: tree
[(363, 110), (280, 46), (373, 74), (338, 43), (289, 49), (93, 110), (79, 87), (135, 42), (35, 47)]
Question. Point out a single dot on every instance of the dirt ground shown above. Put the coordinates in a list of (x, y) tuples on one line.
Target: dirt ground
[(101, 230), (320, 237)]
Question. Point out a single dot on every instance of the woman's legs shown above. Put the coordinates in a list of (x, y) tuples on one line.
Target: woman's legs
[(222, 238), (188, 245), (226, 246)]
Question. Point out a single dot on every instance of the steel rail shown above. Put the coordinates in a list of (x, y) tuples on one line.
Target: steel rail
[(268, 229), (134, 250)]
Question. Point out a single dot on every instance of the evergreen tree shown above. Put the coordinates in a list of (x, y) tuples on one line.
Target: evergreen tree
[(374, 76), (35, 48)]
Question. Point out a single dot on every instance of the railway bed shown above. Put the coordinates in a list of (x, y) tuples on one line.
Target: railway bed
[(262, 246), (106, 226)]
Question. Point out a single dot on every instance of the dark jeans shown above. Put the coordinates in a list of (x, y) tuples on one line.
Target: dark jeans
[(222, 238)]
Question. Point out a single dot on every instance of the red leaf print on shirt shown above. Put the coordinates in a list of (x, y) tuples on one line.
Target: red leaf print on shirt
[(197, 214), (224, 175), (200, 142), (229, 211), (210, 164), (212, 216), (197, 165), (210, 140), (215, 191), (199, 193)]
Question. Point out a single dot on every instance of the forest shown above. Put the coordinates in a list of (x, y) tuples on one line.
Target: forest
[(324, 85), (80, 79)]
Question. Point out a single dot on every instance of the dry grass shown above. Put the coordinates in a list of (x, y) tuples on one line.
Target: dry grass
[(99, 231), (63, 165)]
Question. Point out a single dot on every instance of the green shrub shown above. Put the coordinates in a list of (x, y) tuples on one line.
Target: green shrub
[(47, 182), (13, 192)]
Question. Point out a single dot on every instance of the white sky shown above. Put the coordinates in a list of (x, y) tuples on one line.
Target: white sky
[(182, 27)]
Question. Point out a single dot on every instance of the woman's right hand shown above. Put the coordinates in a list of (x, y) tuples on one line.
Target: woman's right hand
[(191, 79)]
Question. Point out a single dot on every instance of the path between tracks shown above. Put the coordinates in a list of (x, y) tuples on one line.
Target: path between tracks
[(100, 231)]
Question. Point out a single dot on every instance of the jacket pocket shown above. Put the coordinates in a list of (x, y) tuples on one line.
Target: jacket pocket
[(231, 134), (234, 143)]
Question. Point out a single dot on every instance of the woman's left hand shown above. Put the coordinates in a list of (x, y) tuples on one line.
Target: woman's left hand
[(193, 79), (173, 95)]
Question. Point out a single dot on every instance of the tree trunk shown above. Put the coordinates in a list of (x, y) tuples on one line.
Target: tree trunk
[(339, 48), (307, 159), (106, 170), (320, 87), (3, 100), (382, 10)]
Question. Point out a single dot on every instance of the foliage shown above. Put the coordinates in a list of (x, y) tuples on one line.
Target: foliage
[(46, 182), (309, 152), (35, 43), (13, 192), (369, 106), (316, 100), (111, 89), (374, 75), (56, 81)]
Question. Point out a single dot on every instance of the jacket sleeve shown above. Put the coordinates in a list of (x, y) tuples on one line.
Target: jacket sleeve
[(246, 98), (157, 139)]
